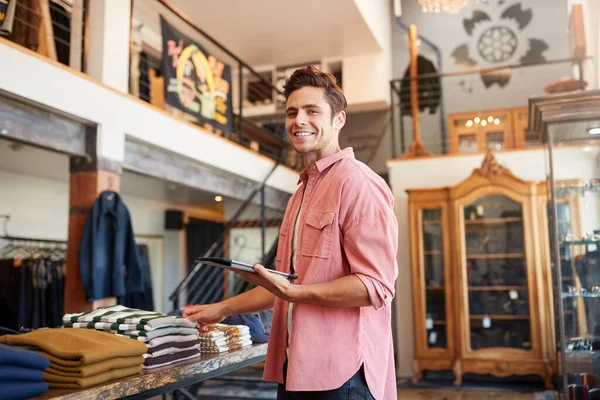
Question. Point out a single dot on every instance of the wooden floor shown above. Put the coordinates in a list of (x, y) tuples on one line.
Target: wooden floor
[(451, 394)]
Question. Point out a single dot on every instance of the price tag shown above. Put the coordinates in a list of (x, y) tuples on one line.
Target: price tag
[(487, 322), (513, 295), (428, 323), (432, 337)]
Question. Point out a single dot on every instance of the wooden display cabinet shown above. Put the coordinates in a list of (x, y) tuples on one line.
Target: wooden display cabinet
[(481, 131), (432, 288), (521, 123), (495, 288)]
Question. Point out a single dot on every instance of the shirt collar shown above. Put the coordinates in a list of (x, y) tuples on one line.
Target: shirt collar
[(328, 161)]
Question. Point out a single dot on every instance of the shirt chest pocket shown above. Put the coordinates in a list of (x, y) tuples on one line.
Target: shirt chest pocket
[(318, 234)]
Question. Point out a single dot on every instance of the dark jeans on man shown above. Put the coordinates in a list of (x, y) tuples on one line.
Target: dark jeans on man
[(355, 388)]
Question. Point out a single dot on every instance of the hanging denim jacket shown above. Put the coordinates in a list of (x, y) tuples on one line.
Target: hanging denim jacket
[(109, 261)]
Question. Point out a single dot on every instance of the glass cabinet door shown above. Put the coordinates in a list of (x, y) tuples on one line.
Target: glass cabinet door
[(498, 303), (433, 266)]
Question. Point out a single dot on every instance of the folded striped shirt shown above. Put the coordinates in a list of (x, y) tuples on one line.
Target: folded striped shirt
[(122, 315), (167, 359), (169, 339), (173, 346), (109, 326), (171, 350), (146, 336)]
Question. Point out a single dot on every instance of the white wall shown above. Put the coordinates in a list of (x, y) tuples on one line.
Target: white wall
[(376, 14), (436, 172), (117, 114), (368, 134), (39, 208), (366, 80)]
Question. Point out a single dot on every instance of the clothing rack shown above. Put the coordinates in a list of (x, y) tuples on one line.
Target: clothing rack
[(31, 282)]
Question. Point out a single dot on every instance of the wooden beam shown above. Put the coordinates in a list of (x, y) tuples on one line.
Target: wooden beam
[(84, 188), (34, 125), (153, 161), (562, 108), (417, 149)]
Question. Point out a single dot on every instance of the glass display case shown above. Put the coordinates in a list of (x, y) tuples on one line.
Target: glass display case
[(568, 126), (432, 290), (496, 274), (480, 303), (577, 278)]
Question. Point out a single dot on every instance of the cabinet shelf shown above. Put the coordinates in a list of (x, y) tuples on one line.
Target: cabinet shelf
[(433, 253), (434, 287), (502, 317), (493, 256), (584, 295), (493, 288), (579, 242), (492, 221), (431, 222)]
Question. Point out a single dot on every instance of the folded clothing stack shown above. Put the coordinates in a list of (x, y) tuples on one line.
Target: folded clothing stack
[(81, 358), (219, 338), (21, 373), (168, 339)]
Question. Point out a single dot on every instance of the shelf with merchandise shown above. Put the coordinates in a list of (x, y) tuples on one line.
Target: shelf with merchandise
[(583, 295), (579, 242), (492, 221), (592, 187)]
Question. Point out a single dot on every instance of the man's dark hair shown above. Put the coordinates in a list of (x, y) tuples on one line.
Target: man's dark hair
[(311, 76)]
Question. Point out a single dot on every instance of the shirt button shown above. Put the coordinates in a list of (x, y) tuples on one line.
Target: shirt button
[(312, 179)]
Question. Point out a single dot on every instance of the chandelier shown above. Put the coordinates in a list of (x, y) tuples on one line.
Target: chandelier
[(450, 6)]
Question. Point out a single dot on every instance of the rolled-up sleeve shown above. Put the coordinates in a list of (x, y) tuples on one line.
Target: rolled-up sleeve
[(370, 245)]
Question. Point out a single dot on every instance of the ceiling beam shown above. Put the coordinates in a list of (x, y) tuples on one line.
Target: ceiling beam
[(146, 159), (29, 124)]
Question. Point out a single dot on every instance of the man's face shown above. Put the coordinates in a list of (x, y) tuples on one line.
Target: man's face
[(308, 121)]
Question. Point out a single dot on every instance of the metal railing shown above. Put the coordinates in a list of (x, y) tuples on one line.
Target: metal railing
[(245, 94), (251, 235), (483, 109), (52, 28)]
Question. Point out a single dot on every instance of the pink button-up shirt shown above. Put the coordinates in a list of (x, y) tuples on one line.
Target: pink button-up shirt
[(347, 226)]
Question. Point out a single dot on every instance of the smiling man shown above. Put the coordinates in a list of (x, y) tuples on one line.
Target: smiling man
[(331, 336)]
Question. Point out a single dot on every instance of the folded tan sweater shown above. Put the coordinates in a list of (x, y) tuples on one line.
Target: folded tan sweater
[(95, 368), (57, 381), (77, 346)]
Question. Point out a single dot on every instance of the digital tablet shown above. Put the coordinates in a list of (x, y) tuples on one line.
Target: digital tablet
[(227, 263)]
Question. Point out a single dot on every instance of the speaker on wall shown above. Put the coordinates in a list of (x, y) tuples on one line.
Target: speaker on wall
[(173, 220)]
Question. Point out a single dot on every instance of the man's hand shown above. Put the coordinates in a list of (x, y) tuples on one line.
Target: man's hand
[(205, 314), (274, 283)]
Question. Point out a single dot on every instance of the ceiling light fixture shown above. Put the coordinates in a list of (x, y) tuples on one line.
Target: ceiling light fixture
[(594, 131), (450, 6), (218, 199)]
